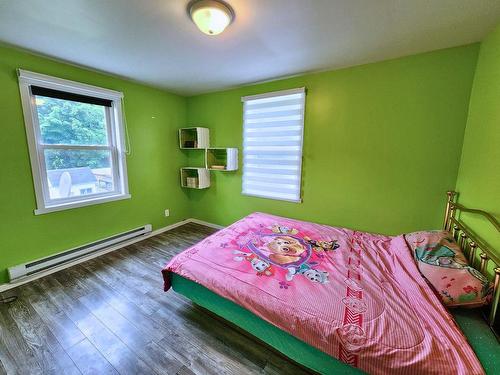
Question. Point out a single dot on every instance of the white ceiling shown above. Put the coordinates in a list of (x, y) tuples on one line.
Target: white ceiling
[(154, 41)]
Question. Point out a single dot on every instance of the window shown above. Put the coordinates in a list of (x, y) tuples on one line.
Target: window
[(273, 127), (76, 142)]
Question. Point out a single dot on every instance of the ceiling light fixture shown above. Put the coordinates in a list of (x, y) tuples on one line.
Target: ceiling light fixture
[(211, 16)]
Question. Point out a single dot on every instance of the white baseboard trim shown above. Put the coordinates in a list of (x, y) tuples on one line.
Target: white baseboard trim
[(206, 223), (27, 279), (168, 227)]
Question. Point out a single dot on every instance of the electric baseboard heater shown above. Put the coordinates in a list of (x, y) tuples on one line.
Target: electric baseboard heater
[(39, 265)]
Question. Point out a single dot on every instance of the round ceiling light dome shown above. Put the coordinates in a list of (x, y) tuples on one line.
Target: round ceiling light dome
[(211, 16)]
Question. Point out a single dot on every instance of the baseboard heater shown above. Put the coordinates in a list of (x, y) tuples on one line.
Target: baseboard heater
[(43, 264)]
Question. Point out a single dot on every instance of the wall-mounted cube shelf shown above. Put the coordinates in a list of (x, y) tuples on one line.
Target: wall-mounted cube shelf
[(194, 138), (221, 159), (216, 158), (195, 178)]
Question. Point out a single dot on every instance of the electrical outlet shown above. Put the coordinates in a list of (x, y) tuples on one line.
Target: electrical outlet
[(167, 213)]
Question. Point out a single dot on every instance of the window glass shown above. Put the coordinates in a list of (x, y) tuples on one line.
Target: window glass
[(72, 123), (69, 171)]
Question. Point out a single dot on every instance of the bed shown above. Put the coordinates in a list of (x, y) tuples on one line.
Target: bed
[(336, 300)]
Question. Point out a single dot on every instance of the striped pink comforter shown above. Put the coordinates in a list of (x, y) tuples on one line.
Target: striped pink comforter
[(356, 296)]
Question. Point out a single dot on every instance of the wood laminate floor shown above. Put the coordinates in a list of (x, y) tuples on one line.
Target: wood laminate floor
[(109, 315)]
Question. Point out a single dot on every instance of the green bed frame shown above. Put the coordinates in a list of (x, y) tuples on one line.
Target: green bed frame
[(482, 340)]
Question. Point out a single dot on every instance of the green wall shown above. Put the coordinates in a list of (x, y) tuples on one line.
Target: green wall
[(153, 117), (479, 177), (382, 143)]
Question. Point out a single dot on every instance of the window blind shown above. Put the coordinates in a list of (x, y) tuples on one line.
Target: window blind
[(273, 127), (51, 93)]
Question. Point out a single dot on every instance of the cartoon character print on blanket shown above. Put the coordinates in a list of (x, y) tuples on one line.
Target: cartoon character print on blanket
[(282, 247), (320, 246), (262, 267), (315, 276), (443, 255), (443, 263), (352, 337), (355, 304)]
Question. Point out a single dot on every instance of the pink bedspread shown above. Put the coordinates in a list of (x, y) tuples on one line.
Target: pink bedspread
[(358, 297)]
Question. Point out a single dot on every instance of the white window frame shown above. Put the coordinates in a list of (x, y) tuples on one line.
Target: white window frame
[(116, 146), (244, 99)]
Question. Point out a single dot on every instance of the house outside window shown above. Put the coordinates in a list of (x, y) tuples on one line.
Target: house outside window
[(76, 139)]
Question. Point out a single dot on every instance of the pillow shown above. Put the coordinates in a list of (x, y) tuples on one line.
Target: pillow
[(442, 263)]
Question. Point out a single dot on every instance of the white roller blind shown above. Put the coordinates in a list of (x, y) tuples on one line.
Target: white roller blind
[(273, 127)]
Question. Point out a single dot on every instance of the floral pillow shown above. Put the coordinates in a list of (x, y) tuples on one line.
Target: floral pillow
[(442, 263)]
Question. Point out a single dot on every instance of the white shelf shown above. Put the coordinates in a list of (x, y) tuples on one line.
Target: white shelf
[(221, 159), (216, 158), (194, 138), (195, 178)]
